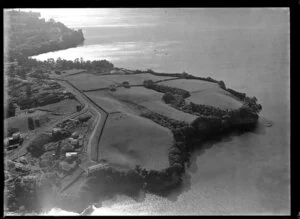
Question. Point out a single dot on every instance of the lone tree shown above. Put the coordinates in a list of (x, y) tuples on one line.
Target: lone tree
[(30, 123), (10, 110), (126, 84), (37, 122)]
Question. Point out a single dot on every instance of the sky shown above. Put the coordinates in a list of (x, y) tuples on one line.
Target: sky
[(124, 17)]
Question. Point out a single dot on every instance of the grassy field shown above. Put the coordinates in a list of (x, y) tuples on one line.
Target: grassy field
[(204, 92), (66, 106), (21, 120), (87, 81), (108, 103), (136, 94), (112, 102), (191, 85), (160, 107), (130, 140), (218, 98)]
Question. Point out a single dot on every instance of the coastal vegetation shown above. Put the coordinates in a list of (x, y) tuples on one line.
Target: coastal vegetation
[(31, 35)]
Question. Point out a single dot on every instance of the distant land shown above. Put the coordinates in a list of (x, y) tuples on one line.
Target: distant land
[(79, 131), (27, 34)]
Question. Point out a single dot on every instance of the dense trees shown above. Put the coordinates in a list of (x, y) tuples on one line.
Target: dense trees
[(222, 84), (239, 95), (10, 109), (164, 89), (168, 97), (31, 35), (36, 147), (28, 91), (42, 67)]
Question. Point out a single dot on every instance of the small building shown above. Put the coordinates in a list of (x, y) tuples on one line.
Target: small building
[(71, 154), (80, 142), (73, 141), (14, 141), (56, 130), (75, 135)]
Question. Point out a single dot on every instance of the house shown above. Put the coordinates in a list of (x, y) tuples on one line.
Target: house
[(75, 135), (10, 143), (30, 110), (71, 154), (16, 136), (14, 141), (56, 130)]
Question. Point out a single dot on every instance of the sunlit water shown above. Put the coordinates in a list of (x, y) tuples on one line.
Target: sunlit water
[(249, 50)]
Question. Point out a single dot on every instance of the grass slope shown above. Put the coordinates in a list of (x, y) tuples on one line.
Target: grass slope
[(107, 102), (130, 140), (208, 93), (114, 101)]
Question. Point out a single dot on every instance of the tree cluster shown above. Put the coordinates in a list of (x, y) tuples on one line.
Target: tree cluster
[(164, 89), (36, 147)]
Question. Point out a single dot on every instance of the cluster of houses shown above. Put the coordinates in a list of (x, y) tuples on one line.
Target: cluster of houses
[(75, 142)]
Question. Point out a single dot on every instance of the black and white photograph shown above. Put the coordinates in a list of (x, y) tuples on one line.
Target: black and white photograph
[(146, 111)]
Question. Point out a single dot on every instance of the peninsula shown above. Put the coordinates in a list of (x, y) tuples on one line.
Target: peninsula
[(77, 132)]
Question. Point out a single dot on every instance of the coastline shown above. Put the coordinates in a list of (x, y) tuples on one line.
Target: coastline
[(171, 177)]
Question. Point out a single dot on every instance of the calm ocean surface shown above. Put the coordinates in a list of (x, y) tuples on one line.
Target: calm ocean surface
[(249, 50)]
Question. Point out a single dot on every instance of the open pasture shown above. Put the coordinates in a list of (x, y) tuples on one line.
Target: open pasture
[(218, 98), (129, 140)]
